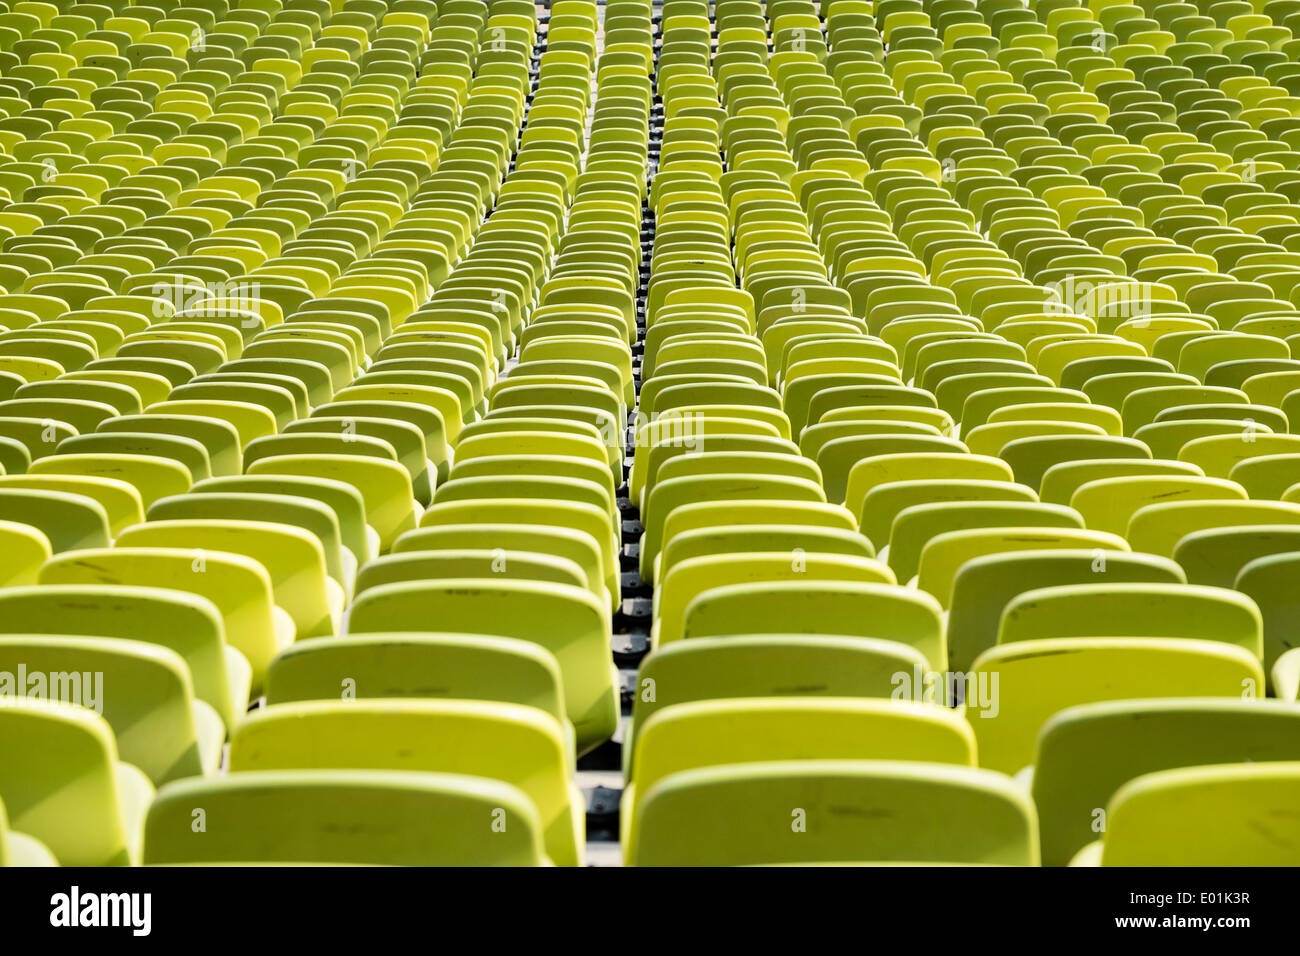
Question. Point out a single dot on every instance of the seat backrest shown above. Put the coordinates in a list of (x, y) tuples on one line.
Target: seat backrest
[(1088, 752), (237, 585), (1015, 688), (519, 745), (935, 812), (1150, 818), (566, 620), (319, 816), (49, 747)]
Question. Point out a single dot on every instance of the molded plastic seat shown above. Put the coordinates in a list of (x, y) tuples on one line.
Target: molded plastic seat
[(985, 585), (1151, 818), (1061, 481), (690, 577), (1216, 556), (519, 745), (385, 486), (1133, 610), (420, 665), (19, 849), (143, 691), (936, 813), (238, 585), (859, 608), (1031, 458), (308, 514), (676, 492), (1086, 753), (1108, 504), (152, 476), (293, 558), (685, 736), (327, 816), (916, 525), (1018, 687), (591, 524), (62, 783), (65, 520), (566, 620), (946, 554), (1157, 528), (23, 549), (870, 472), (1269, 582), (188, 624), (771, 665)]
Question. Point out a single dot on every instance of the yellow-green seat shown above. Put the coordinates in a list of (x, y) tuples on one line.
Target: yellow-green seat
[(385, 486), (23, 549), (991, 437), (1108, 504), (429, 665), (356, 538), (725, 454), (1217, 455), (1018, 687), (188, 624), (67, 520), (1167, 437), (1267, 476), (356, 435), (772, 665), (471, 562), (865, 609), (566, 620), (142, 689), (834, 811), (62, 783), (1216, 556), (1158, 528), (687, 736), (293, 558), (1102, 416), (985, 585), (946, 554), (239, 586), (915, 525), (577, 489), (1133, 610), (519, 745), (677, 492), (310, 515), (1269, 582), (885, 501), (691, 576), (870, 472), (1061, 480), (152, 476), (588, 521), (19, 849), (839, 457), (1031, 458), (1217, 815), (562, 548), (217, 437), (247, 419), (329, 816), (1086, 753)]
